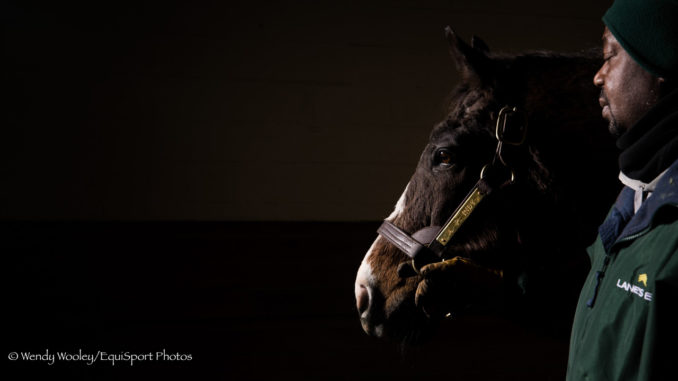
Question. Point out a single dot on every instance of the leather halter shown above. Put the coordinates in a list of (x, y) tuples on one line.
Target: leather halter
[(429, 244)]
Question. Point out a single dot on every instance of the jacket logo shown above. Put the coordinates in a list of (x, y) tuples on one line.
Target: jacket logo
[(636, 290), (642, 278)]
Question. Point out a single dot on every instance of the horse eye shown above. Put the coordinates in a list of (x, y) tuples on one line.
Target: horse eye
[(443, 156)]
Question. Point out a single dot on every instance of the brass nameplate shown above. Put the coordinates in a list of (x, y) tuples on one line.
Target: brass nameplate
[(460, 215)]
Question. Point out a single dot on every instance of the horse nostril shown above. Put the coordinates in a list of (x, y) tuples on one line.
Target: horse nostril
[(362, 298)]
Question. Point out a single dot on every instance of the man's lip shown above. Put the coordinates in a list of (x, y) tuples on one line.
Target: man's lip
[(602, 102)]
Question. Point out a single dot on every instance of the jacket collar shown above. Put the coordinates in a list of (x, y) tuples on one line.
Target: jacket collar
[(622, 223)]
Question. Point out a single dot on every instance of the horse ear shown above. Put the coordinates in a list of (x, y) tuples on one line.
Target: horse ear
[(478, 44), (472, 61)]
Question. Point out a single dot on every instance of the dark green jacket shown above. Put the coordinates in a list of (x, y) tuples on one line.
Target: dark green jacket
[(626, 324)]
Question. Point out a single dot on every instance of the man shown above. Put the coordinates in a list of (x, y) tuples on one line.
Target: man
[(626, 322)]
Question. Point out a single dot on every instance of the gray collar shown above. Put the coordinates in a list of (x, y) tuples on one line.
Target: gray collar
[(638, 185), (643, 190)]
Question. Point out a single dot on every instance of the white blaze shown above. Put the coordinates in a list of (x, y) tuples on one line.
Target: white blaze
[(400, 205), (365, 276)]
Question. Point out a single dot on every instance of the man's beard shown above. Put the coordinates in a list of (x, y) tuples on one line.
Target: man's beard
[(613, 126)]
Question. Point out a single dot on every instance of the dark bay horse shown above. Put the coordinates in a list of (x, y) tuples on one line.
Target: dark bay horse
[(539, 225)]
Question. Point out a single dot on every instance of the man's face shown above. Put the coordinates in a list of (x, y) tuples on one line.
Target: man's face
[(627, 90)]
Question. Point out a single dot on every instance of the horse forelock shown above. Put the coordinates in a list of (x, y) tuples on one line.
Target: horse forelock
[(469, 103)]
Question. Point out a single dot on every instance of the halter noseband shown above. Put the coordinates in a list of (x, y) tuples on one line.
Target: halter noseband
[(438, 238)]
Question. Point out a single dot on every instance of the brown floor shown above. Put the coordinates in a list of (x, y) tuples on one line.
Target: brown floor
[(248, 301)]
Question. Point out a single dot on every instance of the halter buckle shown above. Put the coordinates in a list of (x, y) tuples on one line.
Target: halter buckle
[(506, 132)]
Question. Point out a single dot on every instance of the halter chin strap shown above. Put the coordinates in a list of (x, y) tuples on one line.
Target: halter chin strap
[(430, 243)]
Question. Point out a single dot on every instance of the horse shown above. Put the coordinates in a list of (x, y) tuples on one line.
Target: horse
[(556, 188)]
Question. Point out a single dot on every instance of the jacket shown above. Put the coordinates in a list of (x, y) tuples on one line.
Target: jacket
[(626, 322)]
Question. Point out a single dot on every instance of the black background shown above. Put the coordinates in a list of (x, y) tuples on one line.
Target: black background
[(250, 301), (205, 178)]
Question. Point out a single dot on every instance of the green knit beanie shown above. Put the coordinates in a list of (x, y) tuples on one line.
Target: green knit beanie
[(648, 31)]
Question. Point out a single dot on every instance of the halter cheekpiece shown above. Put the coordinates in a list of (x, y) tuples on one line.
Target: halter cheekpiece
[(429, 244)]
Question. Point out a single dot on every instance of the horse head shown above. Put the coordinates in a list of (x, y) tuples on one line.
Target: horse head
[(534, 225)]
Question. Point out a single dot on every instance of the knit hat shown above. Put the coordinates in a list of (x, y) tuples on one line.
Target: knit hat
[(648, 31)]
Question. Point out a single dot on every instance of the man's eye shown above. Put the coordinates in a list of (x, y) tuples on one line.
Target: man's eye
[(443, 156)]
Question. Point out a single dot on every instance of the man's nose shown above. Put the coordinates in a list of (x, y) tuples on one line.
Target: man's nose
[(598, 80)]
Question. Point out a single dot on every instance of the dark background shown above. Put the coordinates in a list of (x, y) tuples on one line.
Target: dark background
[(205, 177)]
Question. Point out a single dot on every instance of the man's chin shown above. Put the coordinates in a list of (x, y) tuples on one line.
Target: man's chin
[(613, 127)]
